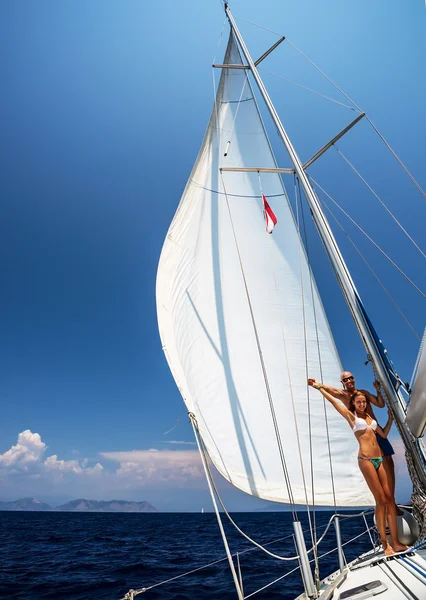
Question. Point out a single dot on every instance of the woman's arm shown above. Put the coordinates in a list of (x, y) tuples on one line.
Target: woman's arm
[(385, 431), (336, 403), (335, 392)]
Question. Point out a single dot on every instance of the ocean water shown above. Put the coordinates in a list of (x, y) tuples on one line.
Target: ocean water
[(94, 556)]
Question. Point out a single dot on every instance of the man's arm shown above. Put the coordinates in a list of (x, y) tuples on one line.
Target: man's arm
[(383, 432), (339, 394), (339, 406), (376, 400)]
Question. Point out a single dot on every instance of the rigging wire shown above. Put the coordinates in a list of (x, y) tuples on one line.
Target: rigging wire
[(371, 240), (260, 546), (291, 388), (238, 108), (311, 278), (381, 136), (308, 89), (372, 271), (132, 593), (262, 363), (265, 376), (271, 583), (295, 569), (210, 564), (216, 491), (308, 395), (204, 460), (345, 158), (220, 36), (418, 186), (389, 147)]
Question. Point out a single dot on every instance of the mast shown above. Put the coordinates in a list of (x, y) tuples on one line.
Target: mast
[(368, 336)]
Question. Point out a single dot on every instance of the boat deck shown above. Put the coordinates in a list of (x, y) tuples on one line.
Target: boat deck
[(373, 574)]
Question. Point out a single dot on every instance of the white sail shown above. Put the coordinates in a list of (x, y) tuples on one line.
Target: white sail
[(416, 411), (227, 291)]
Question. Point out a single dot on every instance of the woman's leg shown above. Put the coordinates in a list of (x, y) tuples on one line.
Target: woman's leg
[(391, 510), (372, 478), (390, 472)]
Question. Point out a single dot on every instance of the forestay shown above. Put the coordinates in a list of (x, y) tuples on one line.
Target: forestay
[(216, 257)]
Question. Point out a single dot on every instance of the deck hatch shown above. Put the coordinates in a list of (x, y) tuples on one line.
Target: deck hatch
[(366, 590)]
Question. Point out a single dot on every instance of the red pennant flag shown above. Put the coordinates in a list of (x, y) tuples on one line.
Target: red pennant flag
[(270, 218)]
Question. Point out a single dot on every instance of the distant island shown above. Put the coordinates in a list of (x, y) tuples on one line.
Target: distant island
[(80, 505)]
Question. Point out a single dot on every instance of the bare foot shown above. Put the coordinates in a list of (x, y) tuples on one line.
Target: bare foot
[(400, 547), (389, 551)]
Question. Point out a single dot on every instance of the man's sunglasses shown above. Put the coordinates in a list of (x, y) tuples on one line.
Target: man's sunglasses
[(345, 379)]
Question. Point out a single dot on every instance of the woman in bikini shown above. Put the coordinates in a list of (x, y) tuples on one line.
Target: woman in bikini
[(370, 462)]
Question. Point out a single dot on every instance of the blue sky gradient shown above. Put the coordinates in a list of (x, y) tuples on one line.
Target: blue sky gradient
[(103, 109)]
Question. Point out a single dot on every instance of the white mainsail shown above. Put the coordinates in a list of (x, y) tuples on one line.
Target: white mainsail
[(227, 293), (416, 411)]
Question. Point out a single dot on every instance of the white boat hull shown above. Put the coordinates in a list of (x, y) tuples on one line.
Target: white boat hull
[(390, 578)]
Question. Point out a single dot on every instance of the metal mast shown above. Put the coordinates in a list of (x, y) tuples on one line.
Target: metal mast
[(341, 270)]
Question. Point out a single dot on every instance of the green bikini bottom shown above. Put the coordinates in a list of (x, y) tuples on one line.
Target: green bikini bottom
[(375, 461)]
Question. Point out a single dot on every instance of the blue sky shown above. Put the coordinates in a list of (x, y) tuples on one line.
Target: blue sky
[(103, 109)]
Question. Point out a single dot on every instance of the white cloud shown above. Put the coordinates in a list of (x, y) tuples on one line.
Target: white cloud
[(71, 466), (181, 442), (158, 466), (26, 469), (26, 454), (27, 458)]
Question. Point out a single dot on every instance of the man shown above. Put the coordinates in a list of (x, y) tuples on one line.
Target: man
[(349, 387)]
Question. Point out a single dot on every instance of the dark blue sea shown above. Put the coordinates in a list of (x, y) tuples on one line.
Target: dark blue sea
[(79, 556)]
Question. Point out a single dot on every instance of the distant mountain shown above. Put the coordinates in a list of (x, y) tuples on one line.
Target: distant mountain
[(24, 504), (83, 505)]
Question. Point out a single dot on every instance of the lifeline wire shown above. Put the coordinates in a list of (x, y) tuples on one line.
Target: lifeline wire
[(132, 593)]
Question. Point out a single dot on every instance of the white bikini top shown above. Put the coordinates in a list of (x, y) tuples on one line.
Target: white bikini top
[(361, 424)]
